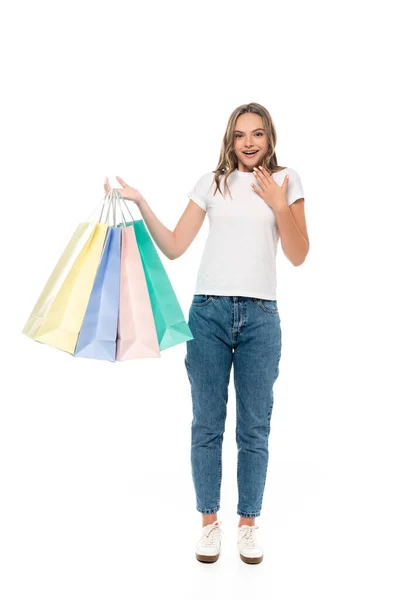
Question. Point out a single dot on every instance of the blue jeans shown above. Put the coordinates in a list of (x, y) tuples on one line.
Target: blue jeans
[(245, 332)]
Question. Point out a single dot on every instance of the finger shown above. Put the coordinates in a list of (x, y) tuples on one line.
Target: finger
[(259, 174), (122, 182), (262, 182), (265, 171), (107, 186), (265, 176)]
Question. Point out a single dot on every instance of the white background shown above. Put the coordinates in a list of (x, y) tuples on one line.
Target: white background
[(96, 495)]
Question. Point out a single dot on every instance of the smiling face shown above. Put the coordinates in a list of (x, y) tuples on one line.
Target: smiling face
[(249, 135)]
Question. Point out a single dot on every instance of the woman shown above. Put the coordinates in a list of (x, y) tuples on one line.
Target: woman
[(234, 314)]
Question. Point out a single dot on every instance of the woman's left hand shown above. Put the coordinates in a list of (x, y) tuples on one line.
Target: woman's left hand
[(272, 193)]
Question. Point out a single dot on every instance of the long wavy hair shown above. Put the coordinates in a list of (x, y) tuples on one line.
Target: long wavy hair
[(228, 161)]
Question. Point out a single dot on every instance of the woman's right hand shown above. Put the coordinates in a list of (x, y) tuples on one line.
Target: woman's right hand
[(127, 192)]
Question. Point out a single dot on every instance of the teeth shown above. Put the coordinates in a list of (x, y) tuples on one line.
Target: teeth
[(249, 153)]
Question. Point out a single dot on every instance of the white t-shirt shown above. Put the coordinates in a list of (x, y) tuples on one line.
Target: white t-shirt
[(239, 257)]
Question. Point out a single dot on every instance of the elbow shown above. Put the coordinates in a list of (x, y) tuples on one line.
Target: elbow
[(174, 255), (301, 261), (176, 251)]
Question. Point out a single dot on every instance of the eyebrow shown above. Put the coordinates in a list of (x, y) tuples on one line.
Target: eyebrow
[(258, 129)]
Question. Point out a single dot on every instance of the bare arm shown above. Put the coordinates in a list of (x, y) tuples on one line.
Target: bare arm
[(173, 243), (292, 227)]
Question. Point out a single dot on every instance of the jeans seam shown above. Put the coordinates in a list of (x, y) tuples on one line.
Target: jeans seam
[(202, 303), (270, 311), (267, 310)]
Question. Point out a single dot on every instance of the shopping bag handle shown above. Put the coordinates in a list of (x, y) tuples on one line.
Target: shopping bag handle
[(101, 206), (121, 201), (109, 202), (114, 202)]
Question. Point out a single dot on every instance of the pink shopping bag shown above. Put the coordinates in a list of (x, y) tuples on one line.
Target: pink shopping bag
[(137, 335)]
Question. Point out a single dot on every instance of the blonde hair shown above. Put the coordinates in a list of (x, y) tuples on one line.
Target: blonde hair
[(228, 159)]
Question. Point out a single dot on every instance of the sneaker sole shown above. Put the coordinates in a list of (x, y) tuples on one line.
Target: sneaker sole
[(254, 560), (206, 558)]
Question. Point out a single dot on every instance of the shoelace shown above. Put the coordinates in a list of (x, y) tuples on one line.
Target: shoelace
[(249, 537), (210, 533)]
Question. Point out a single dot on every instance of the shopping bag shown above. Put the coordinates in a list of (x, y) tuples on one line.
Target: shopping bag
[(168, 316), (60, 327), (82, 234), (98, 333), (137, 336), (109, 296)]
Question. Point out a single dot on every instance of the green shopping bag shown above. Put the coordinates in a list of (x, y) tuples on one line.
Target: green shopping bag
[(169, 319)]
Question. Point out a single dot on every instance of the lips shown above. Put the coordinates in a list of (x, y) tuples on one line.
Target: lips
[(251, 154)]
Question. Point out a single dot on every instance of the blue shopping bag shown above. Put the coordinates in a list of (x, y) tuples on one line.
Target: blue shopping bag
[(98, 334)]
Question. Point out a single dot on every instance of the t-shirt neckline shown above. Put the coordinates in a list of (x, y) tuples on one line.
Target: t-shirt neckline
[(247, 173)]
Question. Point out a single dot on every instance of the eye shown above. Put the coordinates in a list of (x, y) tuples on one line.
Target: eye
[(240, 135)]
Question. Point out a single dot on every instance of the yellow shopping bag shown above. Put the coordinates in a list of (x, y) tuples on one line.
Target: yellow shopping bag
[(82, 234), (61, 325), (49, 316)]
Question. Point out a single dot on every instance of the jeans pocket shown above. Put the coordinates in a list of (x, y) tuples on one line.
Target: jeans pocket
[(201, 299), (268, 306)]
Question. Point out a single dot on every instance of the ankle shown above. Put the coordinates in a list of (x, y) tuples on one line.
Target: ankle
[(246, 521), (208, 519)]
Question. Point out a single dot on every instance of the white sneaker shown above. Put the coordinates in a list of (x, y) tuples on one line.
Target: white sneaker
[(249, 545), (209, 545)]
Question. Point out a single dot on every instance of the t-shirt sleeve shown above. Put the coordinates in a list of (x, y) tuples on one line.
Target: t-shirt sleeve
[(295, 187), (197, 194)]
